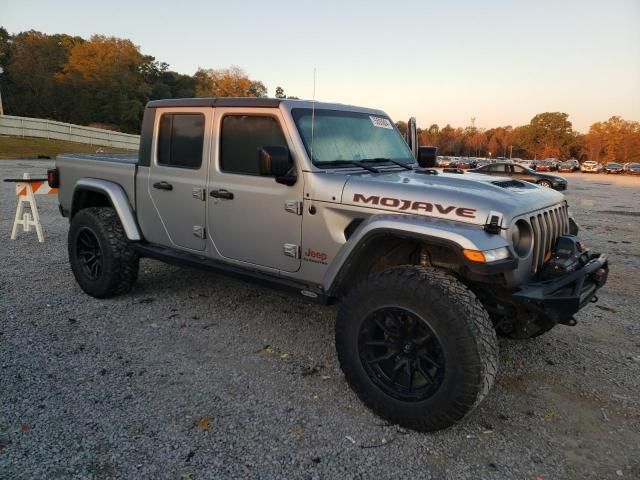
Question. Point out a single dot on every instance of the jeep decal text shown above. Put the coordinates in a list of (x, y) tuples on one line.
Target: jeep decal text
[(415, 206)]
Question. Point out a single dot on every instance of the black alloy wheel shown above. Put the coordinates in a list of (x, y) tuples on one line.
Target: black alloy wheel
[(401, 354), (89, 254)]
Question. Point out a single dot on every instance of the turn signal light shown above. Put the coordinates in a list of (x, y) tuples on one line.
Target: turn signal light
[(474, 255)]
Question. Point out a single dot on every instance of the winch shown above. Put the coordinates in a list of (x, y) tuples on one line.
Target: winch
[(567, 256)]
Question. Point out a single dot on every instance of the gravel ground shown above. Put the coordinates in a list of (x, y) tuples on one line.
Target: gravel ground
[(195, 375)]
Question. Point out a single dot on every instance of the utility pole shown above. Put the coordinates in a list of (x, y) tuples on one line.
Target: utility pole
[(1, 109), (510, 151)]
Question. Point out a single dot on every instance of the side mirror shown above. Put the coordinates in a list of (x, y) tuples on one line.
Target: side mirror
[(427, 156), (412, 136), (276, 162)]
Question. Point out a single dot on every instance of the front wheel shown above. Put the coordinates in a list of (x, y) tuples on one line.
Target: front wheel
[(545, 183), (417, 347)]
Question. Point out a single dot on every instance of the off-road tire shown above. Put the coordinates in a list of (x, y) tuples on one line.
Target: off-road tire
[(458, 319), (119, 267)]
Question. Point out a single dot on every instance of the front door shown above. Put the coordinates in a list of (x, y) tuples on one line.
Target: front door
[(178, 173), (252, 218)]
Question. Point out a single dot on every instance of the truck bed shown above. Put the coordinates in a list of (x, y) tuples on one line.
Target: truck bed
[(119, 168)]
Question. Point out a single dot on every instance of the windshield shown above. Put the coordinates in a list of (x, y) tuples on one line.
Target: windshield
[(611, 164), (341, 137)]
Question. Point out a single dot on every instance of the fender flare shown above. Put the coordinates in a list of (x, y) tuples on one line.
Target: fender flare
[(118, 199), (456, 235)]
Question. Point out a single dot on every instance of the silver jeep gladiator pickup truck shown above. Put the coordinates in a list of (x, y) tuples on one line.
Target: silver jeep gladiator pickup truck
[(330, 202)]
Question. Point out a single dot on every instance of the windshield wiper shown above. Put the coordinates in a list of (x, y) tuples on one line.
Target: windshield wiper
[(382, 159), (350, 162)]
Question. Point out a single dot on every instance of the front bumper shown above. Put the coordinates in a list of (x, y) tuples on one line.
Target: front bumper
[(557, 300)]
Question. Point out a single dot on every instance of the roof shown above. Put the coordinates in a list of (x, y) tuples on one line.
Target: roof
[(216, 102), (252, 102)]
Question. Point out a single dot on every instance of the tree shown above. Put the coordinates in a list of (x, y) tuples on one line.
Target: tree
[(551, 135), (402, 126), (478, 143), (31, 60), (614, 140), (280, 93), (107, 75), (229, 82)]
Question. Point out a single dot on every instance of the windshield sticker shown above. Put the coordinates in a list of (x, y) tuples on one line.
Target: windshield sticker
[(381, 122)]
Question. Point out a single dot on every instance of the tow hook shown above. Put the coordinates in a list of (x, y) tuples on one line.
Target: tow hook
[(594, 299), (571, 321)]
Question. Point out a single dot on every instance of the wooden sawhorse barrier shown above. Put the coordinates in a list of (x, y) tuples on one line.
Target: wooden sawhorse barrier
[(26, 190)]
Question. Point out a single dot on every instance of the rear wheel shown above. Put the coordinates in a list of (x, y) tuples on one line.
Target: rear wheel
[(101, 259), (416, 346)]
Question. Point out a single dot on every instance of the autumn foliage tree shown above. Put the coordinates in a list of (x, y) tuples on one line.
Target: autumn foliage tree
[(30, 61), (228, 82), (103, 80), (614, 140), (107, 80), (106, 74)]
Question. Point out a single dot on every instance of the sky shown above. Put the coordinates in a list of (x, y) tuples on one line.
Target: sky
[(498, 61)]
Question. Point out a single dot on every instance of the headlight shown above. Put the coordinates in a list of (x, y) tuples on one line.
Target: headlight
[(521, 237), (487, 256)]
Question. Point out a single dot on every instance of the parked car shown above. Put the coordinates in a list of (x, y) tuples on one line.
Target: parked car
[(527, 163), (568, 166), (519, 172), (444, 162), (591, 167), (464, 163), (481, 162), (633, 168), (575, 163), (544, 166), (613, 167)]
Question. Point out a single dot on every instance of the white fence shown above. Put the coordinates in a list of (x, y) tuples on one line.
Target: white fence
[(37, 127)]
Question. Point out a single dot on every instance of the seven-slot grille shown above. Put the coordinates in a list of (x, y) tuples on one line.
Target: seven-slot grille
[(547, 226)]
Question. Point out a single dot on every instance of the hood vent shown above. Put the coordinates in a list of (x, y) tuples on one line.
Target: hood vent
[(510, 184)]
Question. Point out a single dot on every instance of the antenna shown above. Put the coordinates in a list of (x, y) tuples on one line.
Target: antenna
[(313, 111)]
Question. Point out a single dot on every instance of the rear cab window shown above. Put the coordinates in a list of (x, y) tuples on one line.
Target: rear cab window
[(181, 140)]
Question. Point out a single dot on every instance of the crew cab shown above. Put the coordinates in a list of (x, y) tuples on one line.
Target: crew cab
[(329, 202)]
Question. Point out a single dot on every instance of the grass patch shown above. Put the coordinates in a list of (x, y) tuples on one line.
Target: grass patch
[(29, 147)]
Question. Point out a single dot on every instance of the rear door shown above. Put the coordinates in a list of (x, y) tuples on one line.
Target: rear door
[(252, 218), (178, 173), (521, 173), (497, 169)]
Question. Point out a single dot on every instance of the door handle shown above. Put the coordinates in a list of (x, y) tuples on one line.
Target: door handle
[(163, 186), (221, 194)]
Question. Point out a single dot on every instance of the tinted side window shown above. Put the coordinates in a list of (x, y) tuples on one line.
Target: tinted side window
[(180, 140), (241, 138), (497, 168)]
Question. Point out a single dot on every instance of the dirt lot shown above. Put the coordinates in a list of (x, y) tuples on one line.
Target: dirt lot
[(195, 375)]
